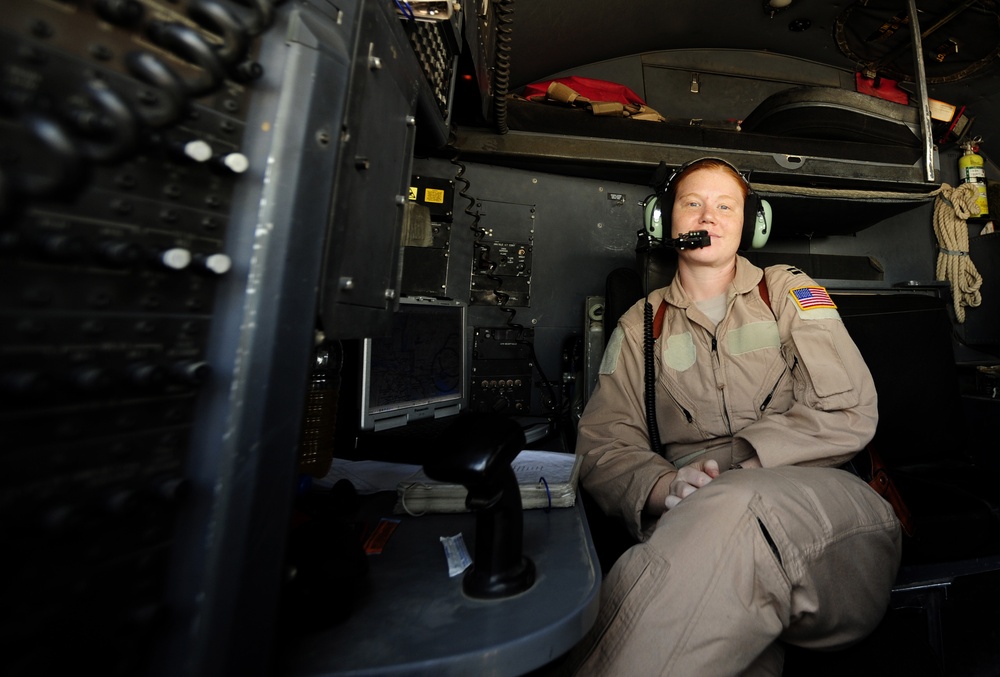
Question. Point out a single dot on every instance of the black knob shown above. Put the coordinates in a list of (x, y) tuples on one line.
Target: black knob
[(192, 372), (119, 253), (219, 19), (64, 168), (247, 71), (120, 501), (112, 126), (164, 105), (61, 247), (189, 45), (25, 383), (146, 375), (91, 379), (263, 11), (10, 240), (61, 518), (119, 12), (145, 616), (169, 488)]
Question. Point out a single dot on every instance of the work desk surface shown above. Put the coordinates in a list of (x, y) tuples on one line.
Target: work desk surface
[(415, 620)]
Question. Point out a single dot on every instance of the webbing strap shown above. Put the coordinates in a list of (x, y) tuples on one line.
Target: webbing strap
[(658, 320), (762, 286), (557, 91)]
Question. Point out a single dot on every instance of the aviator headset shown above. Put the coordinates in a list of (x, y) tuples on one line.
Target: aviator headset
[(756, 212)]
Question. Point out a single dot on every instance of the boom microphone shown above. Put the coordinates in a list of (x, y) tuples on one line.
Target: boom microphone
[(693, 240)]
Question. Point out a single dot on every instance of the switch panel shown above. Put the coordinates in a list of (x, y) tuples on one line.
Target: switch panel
[(502, 370)]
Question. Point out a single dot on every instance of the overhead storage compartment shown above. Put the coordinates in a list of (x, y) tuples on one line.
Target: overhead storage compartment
[(834, 159)]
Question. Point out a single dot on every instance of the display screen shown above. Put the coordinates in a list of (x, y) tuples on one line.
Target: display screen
[(418, 371)]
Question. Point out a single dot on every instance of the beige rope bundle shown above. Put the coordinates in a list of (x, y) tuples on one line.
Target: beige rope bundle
[(951, 210)]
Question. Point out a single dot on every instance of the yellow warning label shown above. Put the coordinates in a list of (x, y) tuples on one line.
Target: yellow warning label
[(434, 195), (413, 193)]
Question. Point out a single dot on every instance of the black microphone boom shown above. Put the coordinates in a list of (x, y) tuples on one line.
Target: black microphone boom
[(693, 240)]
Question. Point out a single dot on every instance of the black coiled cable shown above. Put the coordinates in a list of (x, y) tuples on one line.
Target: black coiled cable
[(649, 378), (478, 234), (501, 71), (463, 192)]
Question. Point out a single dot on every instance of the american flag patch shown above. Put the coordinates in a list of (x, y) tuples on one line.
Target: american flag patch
[(810, 298)]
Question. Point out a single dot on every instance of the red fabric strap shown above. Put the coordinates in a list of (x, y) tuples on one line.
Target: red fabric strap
[(762, 286), (658, 320)]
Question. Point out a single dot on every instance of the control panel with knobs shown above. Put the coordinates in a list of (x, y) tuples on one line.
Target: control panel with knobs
[(121, 131)]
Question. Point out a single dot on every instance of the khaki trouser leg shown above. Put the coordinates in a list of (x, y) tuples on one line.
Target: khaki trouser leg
[(708, 594), (769, 664)]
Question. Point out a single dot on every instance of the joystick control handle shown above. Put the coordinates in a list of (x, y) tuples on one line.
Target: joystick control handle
[(478, 451)]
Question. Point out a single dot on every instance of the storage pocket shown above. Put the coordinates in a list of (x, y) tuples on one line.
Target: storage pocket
[(823, 367)]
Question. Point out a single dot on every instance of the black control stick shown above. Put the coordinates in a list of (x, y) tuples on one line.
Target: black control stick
[(478, 451)]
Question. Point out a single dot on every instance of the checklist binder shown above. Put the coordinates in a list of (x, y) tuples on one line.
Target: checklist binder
[(548, 479)]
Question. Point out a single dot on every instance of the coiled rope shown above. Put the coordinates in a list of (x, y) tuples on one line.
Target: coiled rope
[(952, 208)]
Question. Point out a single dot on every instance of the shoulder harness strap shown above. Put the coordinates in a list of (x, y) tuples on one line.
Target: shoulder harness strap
[(762, 286), (658, 320)]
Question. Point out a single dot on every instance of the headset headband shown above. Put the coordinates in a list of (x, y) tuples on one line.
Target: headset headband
[(671, 180)]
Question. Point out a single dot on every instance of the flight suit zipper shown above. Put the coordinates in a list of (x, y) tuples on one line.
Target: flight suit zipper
[(687, 414), (770, 395), (725, 409)]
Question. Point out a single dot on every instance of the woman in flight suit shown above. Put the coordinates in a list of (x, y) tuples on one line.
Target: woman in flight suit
[(748, 531)]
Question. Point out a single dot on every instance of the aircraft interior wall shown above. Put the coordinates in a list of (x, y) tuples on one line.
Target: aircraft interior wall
[(579, 229)]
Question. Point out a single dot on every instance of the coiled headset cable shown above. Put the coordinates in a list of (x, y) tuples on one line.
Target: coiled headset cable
[(649, 377)]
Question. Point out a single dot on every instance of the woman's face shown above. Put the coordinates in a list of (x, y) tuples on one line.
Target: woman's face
[(709, 199)]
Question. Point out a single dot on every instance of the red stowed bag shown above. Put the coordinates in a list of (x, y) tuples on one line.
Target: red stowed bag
[(589, 88)]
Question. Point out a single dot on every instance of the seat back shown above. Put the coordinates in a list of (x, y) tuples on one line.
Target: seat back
[(654, 268), (906, 340)]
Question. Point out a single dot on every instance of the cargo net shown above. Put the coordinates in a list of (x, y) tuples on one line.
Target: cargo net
[(435, 58)]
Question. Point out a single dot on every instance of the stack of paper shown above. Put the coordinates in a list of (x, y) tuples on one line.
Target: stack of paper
[(547, 480)]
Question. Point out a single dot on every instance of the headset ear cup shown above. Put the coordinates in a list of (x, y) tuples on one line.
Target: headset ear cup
[(750, 209), (762, 225), (653, 218)]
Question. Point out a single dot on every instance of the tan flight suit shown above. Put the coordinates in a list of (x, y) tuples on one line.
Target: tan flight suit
[(797, 550)]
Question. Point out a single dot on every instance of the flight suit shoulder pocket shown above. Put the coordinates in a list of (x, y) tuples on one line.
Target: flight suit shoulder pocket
[(826, 372)]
